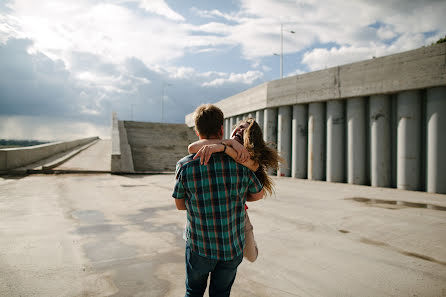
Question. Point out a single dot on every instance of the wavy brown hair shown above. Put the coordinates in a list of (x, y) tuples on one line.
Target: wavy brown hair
[(266, 156)]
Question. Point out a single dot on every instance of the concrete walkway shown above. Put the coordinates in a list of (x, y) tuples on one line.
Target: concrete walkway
[(96, 158), (108, 235)]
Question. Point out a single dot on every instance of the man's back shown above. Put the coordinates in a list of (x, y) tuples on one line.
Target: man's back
[(215, 195)]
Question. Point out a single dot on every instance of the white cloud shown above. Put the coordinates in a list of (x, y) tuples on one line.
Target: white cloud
[(321, 58), (244, 78), (386, 32), (160, 7), (215, 13)]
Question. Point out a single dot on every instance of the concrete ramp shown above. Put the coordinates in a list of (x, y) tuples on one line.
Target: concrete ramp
[(158, 146)]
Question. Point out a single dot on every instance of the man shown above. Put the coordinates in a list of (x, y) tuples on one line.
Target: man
[(214, 196)]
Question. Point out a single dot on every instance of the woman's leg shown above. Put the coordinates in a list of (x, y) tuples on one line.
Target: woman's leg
[(250, 252)]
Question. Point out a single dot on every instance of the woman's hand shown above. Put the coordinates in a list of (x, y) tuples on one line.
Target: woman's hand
[(206, 151), (242, 152)]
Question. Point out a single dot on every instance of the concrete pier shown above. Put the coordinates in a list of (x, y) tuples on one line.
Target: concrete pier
[(270, 126), (436, 140), (356, 141), (335, 141), (409, 138), (387, 139), (270, 129), (316, 141), (380, 141), (284, 139), (259, 117), (299, 143), (232, 121), (226, 128)]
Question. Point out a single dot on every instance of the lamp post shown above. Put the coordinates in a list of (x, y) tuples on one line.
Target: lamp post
[(281, 49), (132, 106), (162, 100)]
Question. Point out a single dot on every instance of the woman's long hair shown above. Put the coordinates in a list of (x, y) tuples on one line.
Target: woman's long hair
[(260, 152)]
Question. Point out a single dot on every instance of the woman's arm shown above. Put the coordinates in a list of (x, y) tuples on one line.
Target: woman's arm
[(205, 152), (194, 147), (242, 154)]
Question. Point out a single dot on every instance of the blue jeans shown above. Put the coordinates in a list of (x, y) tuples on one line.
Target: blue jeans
[(197, 273)]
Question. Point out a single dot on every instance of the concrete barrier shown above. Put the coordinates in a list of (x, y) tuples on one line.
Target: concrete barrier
[(12, 158), (121, 157)]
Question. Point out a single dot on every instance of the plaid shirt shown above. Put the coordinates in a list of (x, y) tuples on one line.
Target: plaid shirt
[(215, 195)]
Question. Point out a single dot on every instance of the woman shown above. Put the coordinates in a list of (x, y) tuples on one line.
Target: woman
[(248, 148)]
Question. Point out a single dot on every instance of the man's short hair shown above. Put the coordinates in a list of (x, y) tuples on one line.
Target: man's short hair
[(208, 120)]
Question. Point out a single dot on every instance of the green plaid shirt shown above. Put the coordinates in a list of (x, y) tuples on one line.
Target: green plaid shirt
[(215, 196)]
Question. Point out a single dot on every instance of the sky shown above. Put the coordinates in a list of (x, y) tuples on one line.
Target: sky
[(66, 65)]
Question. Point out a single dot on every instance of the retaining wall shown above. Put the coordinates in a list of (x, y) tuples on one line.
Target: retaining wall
[(12, 158)]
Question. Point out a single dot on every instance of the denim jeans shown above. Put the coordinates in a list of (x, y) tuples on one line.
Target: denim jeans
[(197, 273)]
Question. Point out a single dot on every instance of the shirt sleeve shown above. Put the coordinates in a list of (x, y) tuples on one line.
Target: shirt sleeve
[(254, 184), (178, 191)]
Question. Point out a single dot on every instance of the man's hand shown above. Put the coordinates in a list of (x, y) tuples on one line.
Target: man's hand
[(242, 152), (181, 205), (255, 196)]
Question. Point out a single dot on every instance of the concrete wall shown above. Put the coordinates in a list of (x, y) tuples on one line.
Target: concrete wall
[(11, 158), (156, 147), (121, 157), (376, 122)]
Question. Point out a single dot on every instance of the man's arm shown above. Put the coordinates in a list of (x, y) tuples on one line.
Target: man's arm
[(255, 196), (181, 205)]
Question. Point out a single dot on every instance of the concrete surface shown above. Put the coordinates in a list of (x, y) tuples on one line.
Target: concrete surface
[(95, 158), (110, 235)]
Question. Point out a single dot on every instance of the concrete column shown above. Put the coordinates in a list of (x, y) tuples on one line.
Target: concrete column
[(335, 141), (226, 128), (259, 117), (356, 141), (232, 121), (270, 129), (239, 118), (284, 139), (436, 140), (316, 141), (252, 115), (270, 125), (380, 142), (299, 141), (409, 138)]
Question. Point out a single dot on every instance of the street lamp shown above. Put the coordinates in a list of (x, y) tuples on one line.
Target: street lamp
[(162, 100), (132, 106), (281, 49)]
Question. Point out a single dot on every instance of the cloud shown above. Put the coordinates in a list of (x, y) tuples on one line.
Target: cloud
[(211, 14), (243, 78), (83, 59), (161, 8)]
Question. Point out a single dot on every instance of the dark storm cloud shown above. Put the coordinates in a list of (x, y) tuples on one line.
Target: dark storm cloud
[(33, 84)]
